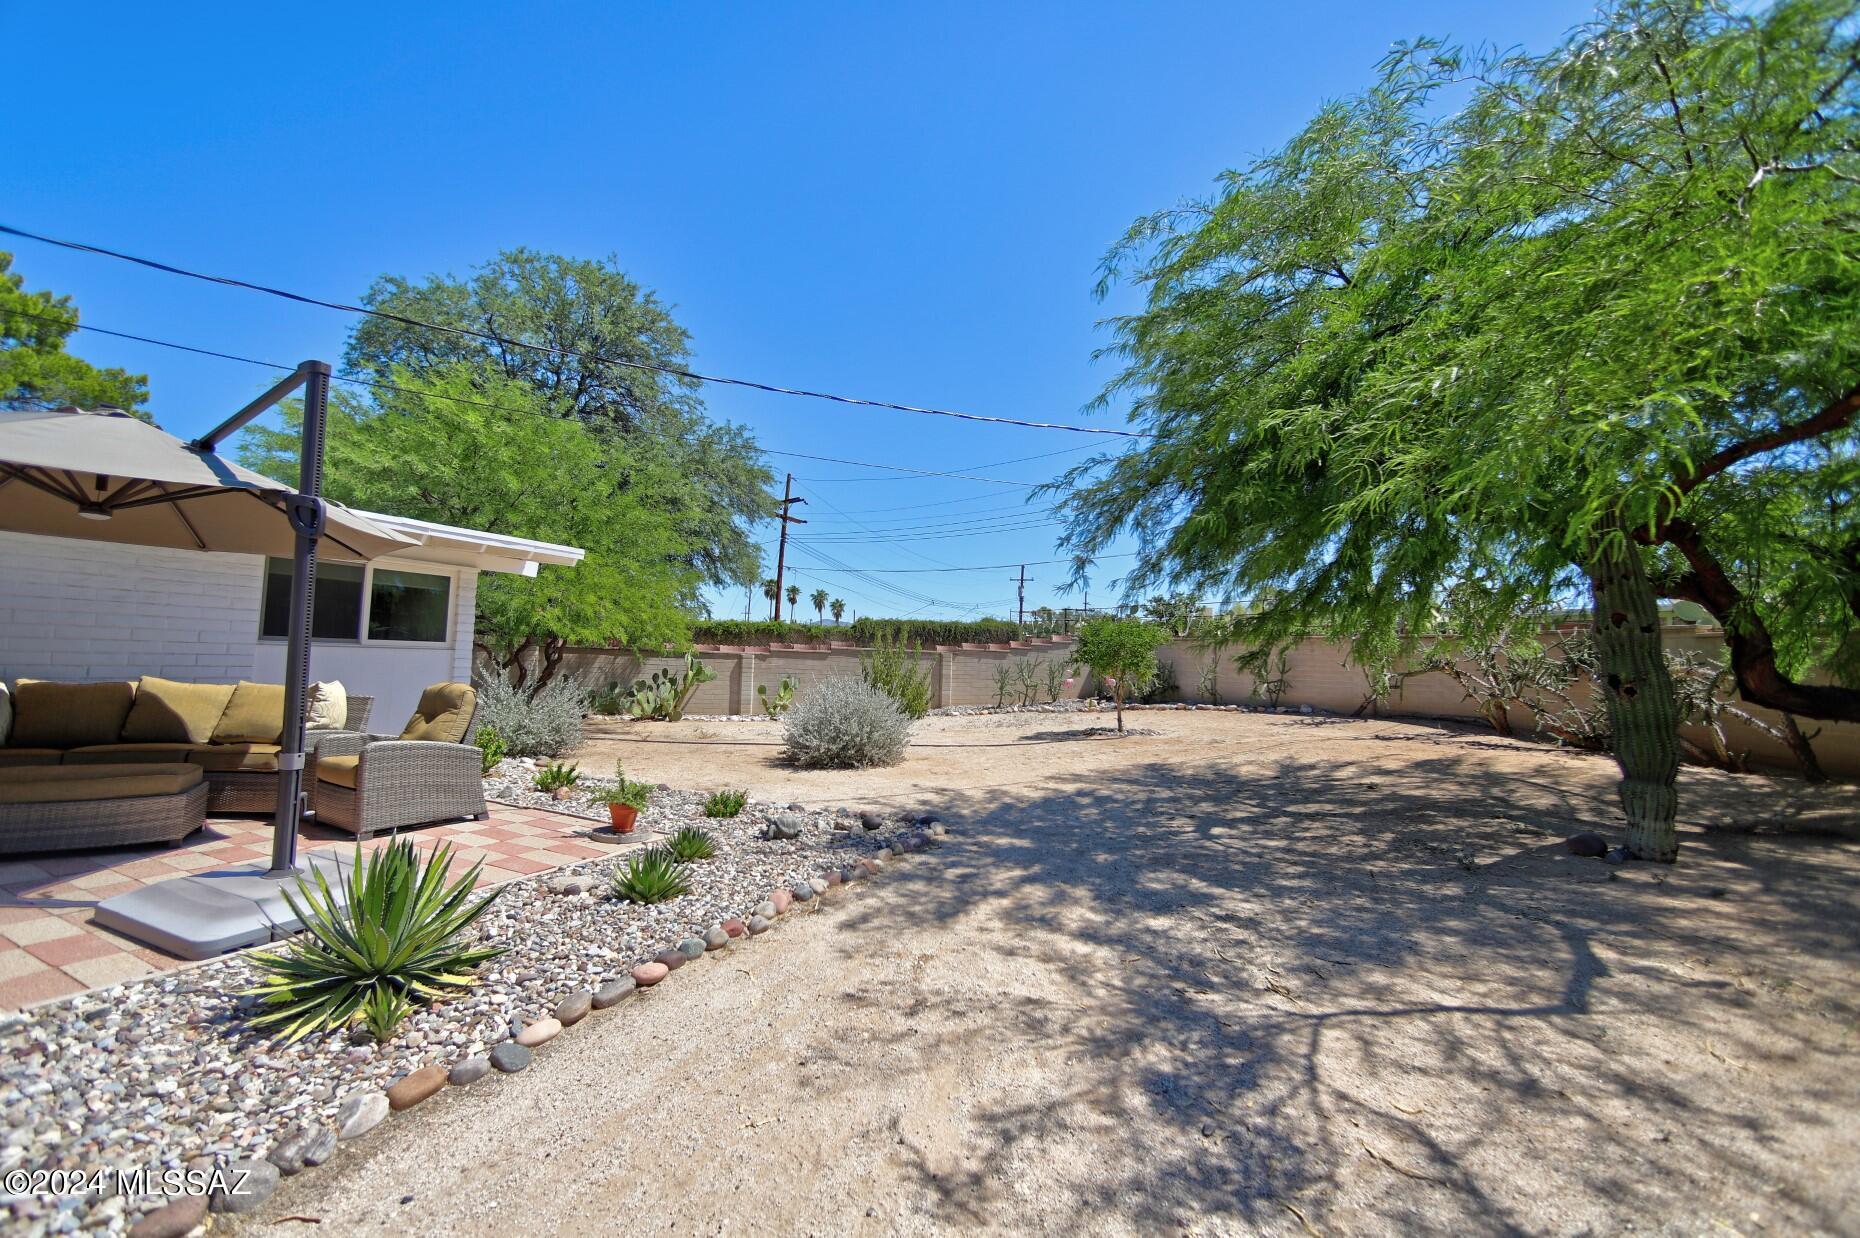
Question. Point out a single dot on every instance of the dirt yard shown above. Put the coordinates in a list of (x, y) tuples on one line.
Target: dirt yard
[(1255, 974)]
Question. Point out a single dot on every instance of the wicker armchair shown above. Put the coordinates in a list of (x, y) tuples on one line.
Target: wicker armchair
[(398, 782)]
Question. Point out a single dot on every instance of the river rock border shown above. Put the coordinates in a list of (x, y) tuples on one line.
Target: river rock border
[(308, 1130)]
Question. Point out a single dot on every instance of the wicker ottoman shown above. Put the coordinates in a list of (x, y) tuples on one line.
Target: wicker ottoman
[(71, 807)]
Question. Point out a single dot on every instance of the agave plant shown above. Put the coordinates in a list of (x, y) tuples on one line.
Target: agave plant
[(651, 876), (393, 940), (725, 803), (690, 844)]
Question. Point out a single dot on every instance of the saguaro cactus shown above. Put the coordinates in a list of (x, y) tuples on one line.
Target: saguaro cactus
[(1642, 707)]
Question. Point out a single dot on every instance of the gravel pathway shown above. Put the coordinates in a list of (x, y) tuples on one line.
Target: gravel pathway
[(151, 1074)]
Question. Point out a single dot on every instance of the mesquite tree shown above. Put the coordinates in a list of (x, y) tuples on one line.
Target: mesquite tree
[(1122, 653), (1532, 325)]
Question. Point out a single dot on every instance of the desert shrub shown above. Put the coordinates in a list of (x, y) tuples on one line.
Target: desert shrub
[(492, 746), (556, 777), (393, 939), (546, 723), (893, 668), (845, 724), (651, 876), (725, 803), (689, 844)]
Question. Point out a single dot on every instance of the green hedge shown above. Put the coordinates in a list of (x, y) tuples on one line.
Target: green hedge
[(861, 632)]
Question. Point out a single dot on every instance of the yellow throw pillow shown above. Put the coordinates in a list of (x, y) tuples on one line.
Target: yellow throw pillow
[(69, 715), (169, 712), (328, 706), (255, 715), (444, 713)]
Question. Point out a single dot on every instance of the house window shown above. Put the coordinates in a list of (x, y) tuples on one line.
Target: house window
[(407, 606), (352, 599), (337, 611)]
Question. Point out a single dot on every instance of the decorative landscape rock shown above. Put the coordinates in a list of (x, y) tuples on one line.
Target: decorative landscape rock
[(759, 925), (802, 890), (648, 974), (817, 886), (361, 1112), (1587, 844), (691, 947), (871, 820), (670, 960), (781, 900), (470, 1070), (614, 992), (416, 1087), (173, 1219), (832, 878), (786, 825), (510, 1057), (540, 1032), (715, 938), (574, 1008), (303, 1144), (733, 926), (871, 865), (249, 1183)]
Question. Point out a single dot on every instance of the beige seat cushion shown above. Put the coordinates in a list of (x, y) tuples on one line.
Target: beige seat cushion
[(130, 754), (170, 712), (69, 715), (327, 707), (444, 712), (67, 784), (255, 715), (10, 757), (227, 758), (338, 771), (6, 712)]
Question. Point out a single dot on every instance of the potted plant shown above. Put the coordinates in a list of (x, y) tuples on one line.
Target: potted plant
[(624, 800)]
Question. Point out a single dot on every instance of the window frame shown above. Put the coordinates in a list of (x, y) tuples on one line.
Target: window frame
[(363, 640)]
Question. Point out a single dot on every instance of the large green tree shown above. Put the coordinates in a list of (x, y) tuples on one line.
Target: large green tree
[(36, 370), (1526, 325), (617, 332), (526, 467)]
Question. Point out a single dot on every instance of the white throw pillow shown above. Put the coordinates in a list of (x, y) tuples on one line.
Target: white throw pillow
[(328, 707), (6, 713)]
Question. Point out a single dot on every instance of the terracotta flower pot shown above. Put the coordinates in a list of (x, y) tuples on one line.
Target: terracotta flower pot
[(624, 817)]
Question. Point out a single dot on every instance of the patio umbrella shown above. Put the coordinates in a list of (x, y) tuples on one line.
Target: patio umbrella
[(106, 476)]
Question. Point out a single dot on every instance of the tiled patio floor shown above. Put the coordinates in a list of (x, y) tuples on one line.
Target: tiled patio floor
[(49, 948)]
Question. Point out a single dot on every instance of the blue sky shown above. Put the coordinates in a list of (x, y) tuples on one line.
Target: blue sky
[(901, 202)]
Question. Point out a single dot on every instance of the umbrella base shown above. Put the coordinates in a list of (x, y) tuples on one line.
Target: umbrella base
[(204, 914)]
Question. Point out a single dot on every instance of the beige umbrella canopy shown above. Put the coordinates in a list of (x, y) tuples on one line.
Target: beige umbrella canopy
[(105, 476)]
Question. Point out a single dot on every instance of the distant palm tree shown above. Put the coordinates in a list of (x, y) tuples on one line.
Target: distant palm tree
[(819, 598), (838, 606), (794, 597), (771, 591)]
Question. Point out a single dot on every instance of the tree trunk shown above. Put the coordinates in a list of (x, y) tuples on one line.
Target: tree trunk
[(1643, 710), (552, 649), (1803, 748), (1118, 695)]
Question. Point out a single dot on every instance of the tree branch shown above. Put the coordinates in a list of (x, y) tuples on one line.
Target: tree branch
[(1837, 414), (1753, 651)]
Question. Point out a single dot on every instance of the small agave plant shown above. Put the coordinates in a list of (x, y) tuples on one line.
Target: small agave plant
[(393, 941), (651, 876)]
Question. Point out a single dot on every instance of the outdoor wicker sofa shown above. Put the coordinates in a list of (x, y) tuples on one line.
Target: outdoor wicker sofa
[(68, 807), (366, 784), (229, 731)]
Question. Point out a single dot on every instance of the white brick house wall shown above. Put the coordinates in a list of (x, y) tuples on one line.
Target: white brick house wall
[(97, 611)]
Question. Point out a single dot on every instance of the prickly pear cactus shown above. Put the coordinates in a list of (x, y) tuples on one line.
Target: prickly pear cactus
[(1642, 707)]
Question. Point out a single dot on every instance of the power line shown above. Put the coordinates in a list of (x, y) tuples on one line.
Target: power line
[(493, 338), (377, 385), (984, 567)]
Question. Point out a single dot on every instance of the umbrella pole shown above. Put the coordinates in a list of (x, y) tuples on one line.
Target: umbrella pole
[(307, 515)]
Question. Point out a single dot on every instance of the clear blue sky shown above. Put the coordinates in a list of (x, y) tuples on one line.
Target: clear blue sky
[(904, 202)]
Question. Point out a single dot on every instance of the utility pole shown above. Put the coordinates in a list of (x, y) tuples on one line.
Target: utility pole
[(781, 553), (1021, 608)]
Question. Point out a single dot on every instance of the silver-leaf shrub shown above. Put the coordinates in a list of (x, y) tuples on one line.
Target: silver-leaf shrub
[(845, 724), (546, 724)]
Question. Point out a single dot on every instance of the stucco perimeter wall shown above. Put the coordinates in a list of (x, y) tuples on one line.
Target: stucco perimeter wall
[(1320, 674), (959, 675)]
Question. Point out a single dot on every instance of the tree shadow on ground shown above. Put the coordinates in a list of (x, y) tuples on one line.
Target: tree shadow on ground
[(1302, 994)]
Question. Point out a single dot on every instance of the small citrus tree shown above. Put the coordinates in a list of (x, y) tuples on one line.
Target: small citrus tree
[(1122, 653)]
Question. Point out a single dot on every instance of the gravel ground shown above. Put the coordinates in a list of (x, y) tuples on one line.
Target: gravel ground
[(155, 1072), (1258, 974)]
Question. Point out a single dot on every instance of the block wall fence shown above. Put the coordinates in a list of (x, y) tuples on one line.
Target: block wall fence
[(1318, 673)]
